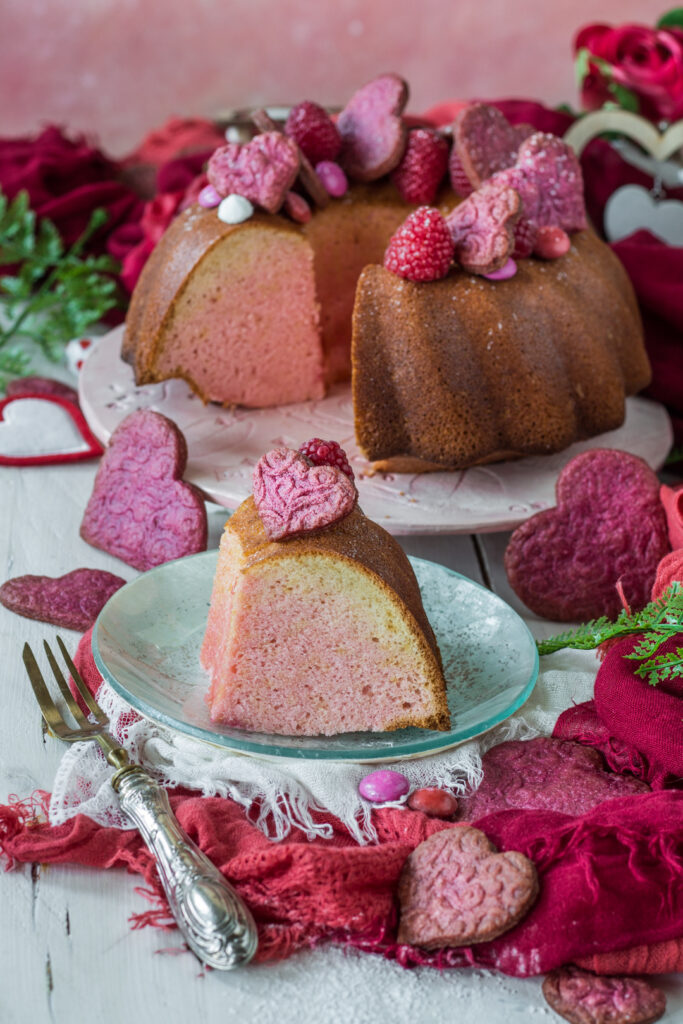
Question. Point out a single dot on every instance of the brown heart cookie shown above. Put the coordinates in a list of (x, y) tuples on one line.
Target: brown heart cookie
[(584, 998)]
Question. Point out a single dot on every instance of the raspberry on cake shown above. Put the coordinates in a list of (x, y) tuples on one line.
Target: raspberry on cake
[(321, 631)]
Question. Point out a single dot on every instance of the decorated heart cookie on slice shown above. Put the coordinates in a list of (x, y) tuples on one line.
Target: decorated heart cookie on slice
[(584, 998), (456, 889), (372, 130), (262, 170), (483, 142), (140, 509), (482, 228), (293, 496), (608, 528), (72, 602)]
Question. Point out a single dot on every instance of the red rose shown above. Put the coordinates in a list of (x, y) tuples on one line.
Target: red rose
[(646, 61)]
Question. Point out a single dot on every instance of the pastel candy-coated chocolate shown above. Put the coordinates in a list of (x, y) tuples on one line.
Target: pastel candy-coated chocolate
[(72, 601), (435, 802), (332, 177), (507, 271), (208, 197), (297, 208), (294, 497), (262, 170), (383, 786), (234, 209), (140, 509), (551, 243), (584, 998)]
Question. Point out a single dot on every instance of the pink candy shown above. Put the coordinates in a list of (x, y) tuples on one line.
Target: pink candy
[(383, 786), (332, 177), (297, 208), (437, 803), (208, 197), (507, 271)]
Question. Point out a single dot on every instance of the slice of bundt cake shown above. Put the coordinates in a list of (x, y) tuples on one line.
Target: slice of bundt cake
[(323, 630)]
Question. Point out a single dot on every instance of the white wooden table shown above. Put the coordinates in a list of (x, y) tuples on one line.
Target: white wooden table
[(67, 953)]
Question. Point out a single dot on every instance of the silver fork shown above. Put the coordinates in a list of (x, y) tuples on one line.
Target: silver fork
[(213, 919)]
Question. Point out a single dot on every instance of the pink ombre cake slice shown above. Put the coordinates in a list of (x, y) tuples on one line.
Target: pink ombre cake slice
[(319, 634)]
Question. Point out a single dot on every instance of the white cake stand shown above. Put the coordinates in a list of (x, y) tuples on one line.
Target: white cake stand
[(225, 445)]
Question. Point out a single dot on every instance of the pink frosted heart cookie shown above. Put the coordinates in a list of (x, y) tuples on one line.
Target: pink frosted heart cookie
[(548, 774), (483, 142), (73, 601), (457, 890), (372, 130), (584, 998), (547, 175), (262, 170), (292, 496), (140, 509), (608, 527), (482, 228)]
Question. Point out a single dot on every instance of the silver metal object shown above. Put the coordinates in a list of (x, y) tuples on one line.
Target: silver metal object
[(213, 919)]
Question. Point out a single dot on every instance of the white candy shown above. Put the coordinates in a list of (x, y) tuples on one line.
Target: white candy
[(233, 134), (76, 351), (234, 209)]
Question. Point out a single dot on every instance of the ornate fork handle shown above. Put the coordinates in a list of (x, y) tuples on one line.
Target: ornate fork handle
[(213, 919)]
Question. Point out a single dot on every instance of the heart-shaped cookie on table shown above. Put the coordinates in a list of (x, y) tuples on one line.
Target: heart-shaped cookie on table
[(582, 997), (482, 228), (456, 889), (372, 129), (140, 509), (262, 170), (293, 496), (606, 535), (72, 601), (39, 429), (484, 142)]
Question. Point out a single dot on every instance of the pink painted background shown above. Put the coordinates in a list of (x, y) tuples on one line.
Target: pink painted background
[(120, 67)]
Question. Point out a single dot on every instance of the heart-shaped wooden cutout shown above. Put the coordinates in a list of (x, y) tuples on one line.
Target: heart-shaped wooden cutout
[(660, 146), (632, 208), (38, 429), (457, 890)]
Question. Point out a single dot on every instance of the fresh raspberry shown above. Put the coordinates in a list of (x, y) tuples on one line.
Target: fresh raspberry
[(525, 239), (327, 453), (422, 167), (314, 132), (422, 248), (460, 183)]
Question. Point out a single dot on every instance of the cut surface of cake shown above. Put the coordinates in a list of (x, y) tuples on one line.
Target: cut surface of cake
[(322, 632)]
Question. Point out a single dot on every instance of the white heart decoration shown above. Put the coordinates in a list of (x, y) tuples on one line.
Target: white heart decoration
[(632, 208), (39, 429), (633, 126)]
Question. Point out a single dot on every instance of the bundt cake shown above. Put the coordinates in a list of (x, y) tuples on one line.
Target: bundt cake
[(321, 631), (498, 326)]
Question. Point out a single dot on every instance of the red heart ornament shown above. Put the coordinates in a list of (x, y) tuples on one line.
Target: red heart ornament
[(262, 170), (457, 890), (39, 429), (372, 130), (294, 497)]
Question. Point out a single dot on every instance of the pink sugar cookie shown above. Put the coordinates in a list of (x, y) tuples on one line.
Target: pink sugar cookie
[(484, 142), (457, 890), (584, 998), (608, 528), (548, 774), (372, 130), (262, 170), (482, 228), (72, 601), (547, 175), (140, 509), (294, 497)]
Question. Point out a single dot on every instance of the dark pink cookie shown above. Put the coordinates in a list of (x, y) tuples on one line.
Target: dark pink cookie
[(548, 774), (456, 890), (482, 228), (41, 386), (584, 998), (608, 527), (73, 601), (372, 130), (547, 175), (262, 170), (294, 497), (140, 509), (484, 142)]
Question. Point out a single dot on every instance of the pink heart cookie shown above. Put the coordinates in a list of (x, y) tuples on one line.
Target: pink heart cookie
[(372, 130), (484, 142), (547, 175), (482, 228), (73, 601), (457, 890), (140, 509), (608, 528), (262, 170), (585, 998), (292, 496)]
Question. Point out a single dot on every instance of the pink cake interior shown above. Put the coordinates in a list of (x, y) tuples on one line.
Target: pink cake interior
[(257, 285), (309, 645)]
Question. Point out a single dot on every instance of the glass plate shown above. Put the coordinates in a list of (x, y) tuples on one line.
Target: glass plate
[(147, 639)]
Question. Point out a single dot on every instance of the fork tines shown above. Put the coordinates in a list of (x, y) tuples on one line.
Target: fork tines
[(54, 718)]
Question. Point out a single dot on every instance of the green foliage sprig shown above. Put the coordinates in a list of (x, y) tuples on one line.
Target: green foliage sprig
[(56, 293), (658, 621)]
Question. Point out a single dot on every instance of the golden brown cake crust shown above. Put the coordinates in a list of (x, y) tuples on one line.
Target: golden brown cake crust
[(373, 550), (464, 371)]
